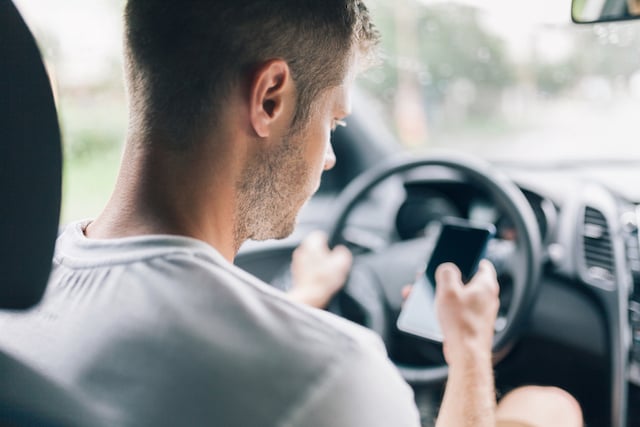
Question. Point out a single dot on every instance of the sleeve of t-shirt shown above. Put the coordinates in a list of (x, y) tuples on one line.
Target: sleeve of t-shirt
[(361, 389)]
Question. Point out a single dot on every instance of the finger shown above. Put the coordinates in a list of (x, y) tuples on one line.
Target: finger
[(487, 276), (448, 276), (406, 290), (448, 281), (486, 267), (316, 240), (342, 257), (343, 252)]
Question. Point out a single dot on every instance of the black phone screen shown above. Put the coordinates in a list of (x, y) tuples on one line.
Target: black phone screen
[(462, 243)]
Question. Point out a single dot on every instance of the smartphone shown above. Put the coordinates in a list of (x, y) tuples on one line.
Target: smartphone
[(461, 242)]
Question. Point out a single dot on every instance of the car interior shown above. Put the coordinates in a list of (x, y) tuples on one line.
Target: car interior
[(567, 247)]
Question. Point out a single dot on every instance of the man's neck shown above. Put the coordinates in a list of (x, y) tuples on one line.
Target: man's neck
[(167, 193)]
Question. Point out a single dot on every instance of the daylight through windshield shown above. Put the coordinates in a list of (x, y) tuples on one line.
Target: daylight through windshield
[(509, 80)]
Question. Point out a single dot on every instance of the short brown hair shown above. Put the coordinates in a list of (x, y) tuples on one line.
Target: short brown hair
[(183, 56)]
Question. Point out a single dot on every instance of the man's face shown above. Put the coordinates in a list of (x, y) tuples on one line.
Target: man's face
[(278, 183)]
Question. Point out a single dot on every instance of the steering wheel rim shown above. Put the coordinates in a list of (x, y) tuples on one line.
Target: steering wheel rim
[(511, 201)]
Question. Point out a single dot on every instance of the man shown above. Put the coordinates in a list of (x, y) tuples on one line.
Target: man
[(232, 103)]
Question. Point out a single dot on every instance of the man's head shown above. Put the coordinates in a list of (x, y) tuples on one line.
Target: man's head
[(183, 57), (272, 73)]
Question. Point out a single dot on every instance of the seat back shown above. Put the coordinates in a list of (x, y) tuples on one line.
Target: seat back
[(30, 189), (30, 165)]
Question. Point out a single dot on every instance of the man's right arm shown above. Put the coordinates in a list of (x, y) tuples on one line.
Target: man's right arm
[(467, 315)]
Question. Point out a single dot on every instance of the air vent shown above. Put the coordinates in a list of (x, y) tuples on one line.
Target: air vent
[(598, 250)]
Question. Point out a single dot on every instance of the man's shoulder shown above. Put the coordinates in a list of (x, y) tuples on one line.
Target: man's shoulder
[(197, 291), (191, 284), (307, 362), (270, 324), (273, 313), (183, 307)]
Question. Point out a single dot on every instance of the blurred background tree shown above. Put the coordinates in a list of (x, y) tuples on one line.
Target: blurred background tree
[(81, 45)]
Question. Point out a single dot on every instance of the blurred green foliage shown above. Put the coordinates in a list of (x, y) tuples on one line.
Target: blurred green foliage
[(607, 51), (443, 54), (463, 76), (93, 131)]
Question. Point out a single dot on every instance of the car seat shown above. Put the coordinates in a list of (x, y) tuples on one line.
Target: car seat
[(30, 190)]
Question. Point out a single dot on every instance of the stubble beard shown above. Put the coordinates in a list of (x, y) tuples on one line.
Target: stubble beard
[(272, 189)]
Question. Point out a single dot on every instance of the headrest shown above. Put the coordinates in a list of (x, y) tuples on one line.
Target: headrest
[(30, 165)]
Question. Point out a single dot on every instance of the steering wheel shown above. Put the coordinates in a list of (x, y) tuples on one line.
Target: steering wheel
[(372, 295)]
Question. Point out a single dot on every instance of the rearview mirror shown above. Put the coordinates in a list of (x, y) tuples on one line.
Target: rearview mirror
[(589, 11)]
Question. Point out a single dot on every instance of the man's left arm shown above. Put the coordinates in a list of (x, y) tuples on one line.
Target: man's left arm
[(317, 271)]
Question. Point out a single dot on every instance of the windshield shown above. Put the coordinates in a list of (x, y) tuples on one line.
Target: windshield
[(510, 80)]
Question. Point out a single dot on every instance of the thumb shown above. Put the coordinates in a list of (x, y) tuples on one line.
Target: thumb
[(342, 258), (317, 240), (448, 278)]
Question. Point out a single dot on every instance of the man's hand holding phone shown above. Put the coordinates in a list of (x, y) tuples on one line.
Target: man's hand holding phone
[(462, 316), (467, 313), (460, 246)]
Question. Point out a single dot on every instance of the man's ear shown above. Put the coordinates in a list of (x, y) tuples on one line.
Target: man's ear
[(268, 94)]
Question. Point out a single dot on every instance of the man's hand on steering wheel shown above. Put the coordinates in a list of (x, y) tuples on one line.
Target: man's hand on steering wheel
[(317, 271)]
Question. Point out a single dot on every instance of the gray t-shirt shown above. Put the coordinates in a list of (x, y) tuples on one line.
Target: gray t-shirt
[(162, 330)]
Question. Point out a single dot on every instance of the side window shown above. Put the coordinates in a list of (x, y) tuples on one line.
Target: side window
[(81, 45)]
